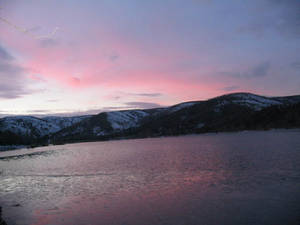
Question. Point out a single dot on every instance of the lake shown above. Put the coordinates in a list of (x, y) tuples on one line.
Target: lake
[(243, 178)]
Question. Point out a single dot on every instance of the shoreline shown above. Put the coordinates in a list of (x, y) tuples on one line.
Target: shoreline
[(23, 147)]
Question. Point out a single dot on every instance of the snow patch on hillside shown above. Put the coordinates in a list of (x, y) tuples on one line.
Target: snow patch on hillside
[(98, 131), (125, 119), (256, 102), (64, 122), (181, 106), (253, 101), (36, 127)]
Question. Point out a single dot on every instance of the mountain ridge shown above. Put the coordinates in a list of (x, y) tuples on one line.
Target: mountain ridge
[(235, 111)]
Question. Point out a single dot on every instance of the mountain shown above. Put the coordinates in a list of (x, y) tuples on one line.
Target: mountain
[(28, 129), (225, 113), (103, 125), (238, 111)]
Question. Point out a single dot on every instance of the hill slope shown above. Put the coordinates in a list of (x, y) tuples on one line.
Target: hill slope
[(29, 129), (238, 111), (225, 113)]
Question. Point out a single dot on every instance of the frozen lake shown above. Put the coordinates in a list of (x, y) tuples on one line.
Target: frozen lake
[(245, 178)]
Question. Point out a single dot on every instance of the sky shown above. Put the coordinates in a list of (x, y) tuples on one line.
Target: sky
[(68, 57)]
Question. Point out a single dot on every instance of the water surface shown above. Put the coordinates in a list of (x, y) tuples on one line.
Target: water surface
[(231, 178)]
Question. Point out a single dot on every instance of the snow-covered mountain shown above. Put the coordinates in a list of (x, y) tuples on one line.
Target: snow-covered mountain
[(37, 127), (106, 123), (228, 112), (253, 101), (181, 118)]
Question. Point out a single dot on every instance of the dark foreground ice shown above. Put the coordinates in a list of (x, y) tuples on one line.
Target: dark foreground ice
[(246, 178)]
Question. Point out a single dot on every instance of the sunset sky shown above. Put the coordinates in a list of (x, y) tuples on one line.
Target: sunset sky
[(76, 57)]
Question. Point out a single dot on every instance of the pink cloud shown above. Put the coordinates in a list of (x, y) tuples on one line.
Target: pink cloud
[(82, 65)]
